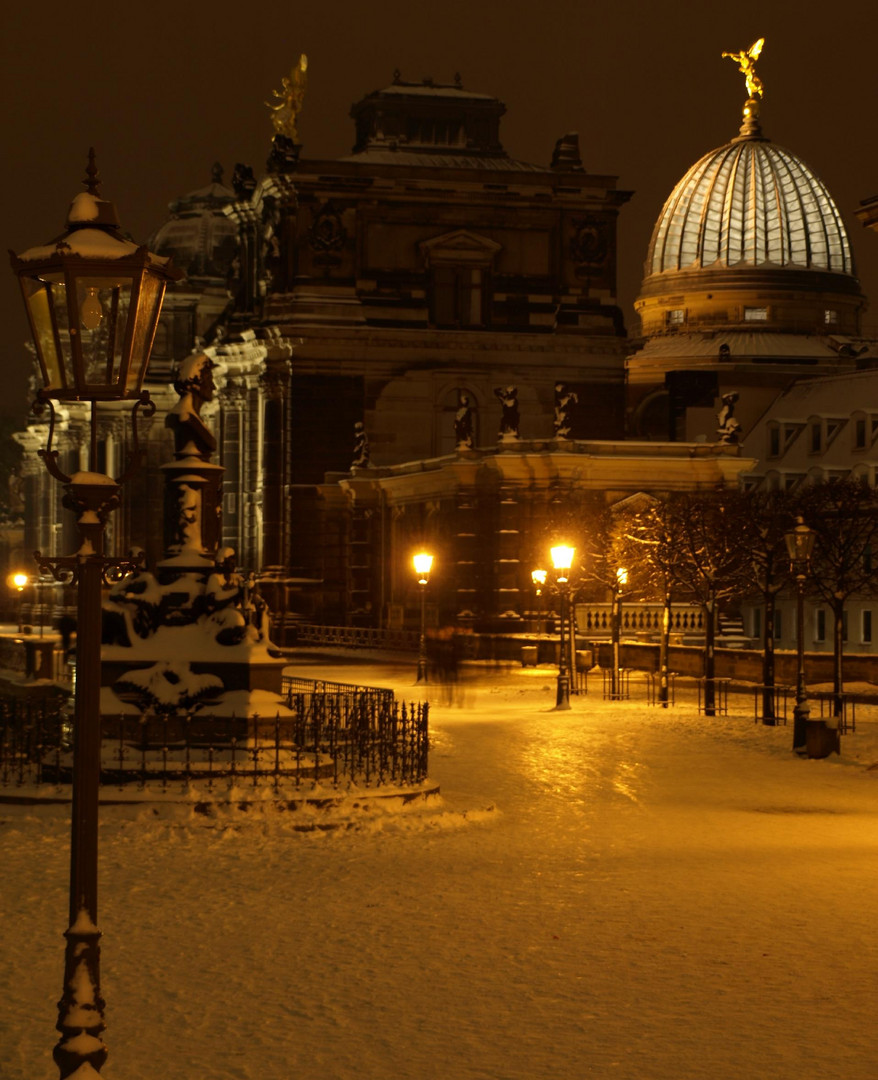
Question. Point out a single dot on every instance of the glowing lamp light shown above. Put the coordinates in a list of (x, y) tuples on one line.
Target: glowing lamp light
[(538, 577), (423, 563), (621, 576), (562, 560), (19, 580)]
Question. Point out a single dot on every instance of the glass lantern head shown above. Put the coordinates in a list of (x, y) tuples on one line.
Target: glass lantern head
[(93, 300), (423, 563)]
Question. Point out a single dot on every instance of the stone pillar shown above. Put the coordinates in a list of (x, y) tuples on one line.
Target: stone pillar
[(275, 384)]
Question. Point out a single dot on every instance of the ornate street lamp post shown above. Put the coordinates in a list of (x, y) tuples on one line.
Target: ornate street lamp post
[(616, 631), (423, 563), (93, 300), (538, 577), (800, 545), (562, 560)]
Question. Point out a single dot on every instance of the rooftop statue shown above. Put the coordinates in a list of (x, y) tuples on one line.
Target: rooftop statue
[(287, 105), (747, 64)]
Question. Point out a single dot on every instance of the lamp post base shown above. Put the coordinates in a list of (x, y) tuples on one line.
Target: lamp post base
[(562, 694), (801, 716)]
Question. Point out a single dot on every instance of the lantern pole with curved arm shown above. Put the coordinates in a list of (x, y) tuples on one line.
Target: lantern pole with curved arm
[(93, 300)]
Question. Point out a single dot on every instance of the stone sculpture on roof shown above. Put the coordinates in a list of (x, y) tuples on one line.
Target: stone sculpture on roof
[(747, 64), (288, 101)]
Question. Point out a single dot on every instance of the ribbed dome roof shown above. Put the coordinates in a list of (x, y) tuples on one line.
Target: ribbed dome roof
[(750, 204), (200, 237)]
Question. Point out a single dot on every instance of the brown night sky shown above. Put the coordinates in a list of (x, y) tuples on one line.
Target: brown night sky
[(163, 91)]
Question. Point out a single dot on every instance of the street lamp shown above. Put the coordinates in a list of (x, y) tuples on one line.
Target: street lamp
[(562, 560), (423, 563), (18, 581), (800, 545), (93, 300), (538, 577), (621, 580)]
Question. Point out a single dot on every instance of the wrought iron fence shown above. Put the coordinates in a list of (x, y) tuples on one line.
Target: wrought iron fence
[(291, 684), (356, 637), (326, 739)]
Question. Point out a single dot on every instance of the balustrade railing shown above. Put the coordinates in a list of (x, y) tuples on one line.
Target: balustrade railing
[(597, 619)]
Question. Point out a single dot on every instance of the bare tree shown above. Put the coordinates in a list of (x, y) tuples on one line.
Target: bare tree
[(713, 534), (646, 544), (772, 514), (844, 516)]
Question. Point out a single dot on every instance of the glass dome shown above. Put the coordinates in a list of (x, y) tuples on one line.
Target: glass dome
[(750, 204)]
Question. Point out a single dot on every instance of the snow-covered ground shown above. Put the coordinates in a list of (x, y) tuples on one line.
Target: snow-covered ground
[(614, 891)]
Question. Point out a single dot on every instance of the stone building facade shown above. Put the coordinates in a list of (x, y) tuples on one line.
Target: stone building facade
[(418, 343)]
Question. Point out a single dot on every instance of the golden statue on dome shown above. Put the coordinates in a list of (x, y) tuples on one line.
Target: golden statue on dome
[(287, 105), (747, 64)]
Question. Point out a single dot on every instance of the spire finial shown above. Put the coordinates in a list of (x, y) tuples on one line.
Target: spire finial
[(92, 179)]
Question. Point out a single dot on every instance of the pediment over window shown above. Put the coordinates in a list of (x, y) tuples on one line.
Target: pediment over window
[(459, 247)]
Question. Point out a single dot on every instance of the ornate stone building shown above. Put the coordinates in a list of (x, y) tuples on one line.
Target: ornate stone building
[(416, 344)]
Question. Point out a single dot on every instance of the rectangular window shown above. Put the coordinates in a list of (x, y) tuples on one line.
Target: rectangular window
[(820, 624), (677, 317), (757, 623), (830, 317), (866, 626), (755, 314), (860, 433), (867, 559), (778, 625), (774, 442), (844, 625), (458, 296), (816, 438)]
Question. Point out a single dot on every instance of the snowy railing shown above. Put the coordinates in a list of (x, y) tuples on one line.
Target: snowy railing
[(596, 620), (356, 637), (327, 740)]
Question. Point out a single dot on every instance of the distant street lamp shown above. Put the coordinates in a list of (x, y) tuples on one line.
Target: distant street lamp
[(562, 560), (538, 577), (18, 581), (800, 545), (423, 564), (93, 300), (616, 631)]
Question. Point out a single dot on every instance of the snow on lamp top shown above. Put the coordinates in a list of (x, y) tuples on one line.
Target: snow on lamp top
[(93, 299)]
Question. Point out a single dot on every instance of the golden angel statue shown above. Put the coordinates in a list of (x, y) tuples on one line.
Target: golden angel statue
[(287, 105), (747, 64)]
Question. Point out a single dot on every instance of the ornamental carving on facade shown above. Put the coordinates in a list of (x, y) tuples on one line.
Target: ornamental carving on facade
[(327, 235), (590, 243)]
